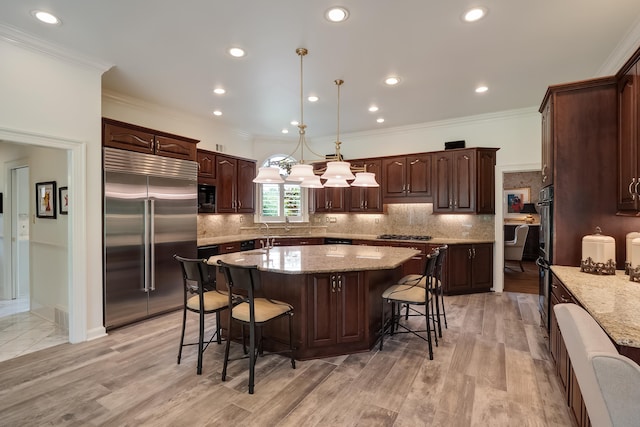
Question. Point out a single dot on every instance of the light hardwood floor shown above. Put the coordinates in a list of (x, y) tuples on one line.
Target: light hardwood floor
[(491, 369)]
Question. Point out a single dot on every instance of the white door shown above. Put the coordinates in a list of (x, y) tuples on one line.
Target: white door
[(20, 235)]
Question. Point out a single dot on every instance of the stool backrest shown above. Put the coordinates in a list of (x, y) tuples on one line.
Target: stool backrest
[(442, 253), (241, 277), (195, 276)]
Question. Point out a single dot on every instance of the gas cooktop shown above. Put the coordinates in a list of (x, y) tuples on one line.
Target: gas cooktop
[(402, 237)]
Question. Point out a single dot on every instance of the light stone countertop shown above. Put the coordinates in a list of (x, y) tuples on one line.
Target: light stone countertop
[(613, 301), (204, 241), (319, 258)]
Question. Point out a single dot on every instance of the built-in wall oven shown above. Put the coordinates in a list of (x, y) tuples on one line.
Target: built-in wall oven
[(545, 258)]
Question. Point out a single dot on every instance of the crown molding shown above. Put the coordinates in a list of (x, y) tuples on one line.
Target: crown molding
[(26, 41), (622, 52)]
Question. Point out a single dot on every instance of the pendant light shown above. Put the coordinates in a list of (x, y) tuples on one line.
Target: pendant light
[(268, 175), (338, 171)]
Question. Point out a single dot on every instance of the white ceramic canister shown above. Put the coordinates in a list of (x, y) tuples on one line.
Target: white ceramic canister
[(630, 237), (600, 248)]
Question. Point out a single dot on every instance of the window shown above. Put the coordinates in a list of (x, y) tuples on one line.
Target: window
[(278, 202)]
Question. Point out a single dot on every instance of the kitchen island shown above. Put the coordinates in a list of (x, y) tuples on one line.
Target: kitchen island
[(336, 292)]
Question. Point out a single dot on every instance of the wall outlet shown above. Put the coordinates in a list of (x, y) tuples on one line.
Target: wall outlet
[(333, 219), (377, 220), (326, 219), (241, 219)]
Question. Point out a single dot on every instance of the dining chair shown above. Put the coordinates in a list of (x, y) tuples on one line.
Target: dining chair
[(514, 249), (253, 312), (415, 293), (201, 297)]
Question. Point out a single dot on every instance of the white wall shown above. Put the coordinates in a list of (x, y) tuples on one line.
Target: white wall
[(52, 98)]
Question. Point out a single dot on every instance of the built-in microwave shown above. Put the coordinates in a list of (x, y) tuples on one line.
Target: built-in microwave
[(206, 198)]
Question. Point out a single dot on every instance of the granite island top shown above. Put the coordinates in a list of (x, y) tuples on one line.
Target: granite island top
[(319, 258), (612, 300), (203, 241)]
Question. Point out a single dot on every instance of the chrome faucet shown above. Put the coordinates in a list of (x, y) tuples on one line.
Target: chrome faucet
[(269, 243)]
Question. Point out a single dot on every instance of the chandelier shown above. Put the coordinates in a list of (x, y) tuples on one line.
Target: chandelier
[(336, 172)]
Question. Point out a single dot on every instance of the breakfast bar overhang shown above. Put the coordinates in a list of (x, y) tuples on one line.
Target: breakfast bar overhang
[(336, 292)]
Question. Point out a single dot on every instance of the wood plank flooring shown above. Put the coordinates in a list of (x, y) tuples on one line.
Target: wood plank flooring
[(491, 368), (525, 282)]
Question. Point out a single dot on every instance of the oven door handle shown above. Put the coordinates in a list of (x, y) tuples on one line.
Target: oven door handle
[(542, 263)]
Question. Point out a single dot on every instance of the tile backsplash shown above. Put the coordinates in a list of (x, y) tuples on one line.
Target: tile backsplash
[(415, 218)]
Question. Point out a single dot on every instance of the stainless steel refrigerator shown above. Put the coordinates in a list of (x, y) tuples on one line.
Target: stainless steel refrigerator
[(150, 213)]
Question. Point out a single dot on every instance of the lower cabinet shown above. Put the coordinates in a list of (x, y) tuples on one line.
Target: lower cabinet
[(469, 268), (297, 241), (336, 309)]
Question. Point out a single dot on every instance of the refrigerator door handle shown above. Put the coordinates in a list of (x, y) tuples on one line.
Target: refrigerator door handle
[(152, 237), (146, 245)]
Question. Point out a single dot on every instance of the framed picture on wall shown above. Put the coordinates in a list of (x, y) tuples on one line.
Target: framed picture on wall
[(63, 194), (514, 200), (46, 199)]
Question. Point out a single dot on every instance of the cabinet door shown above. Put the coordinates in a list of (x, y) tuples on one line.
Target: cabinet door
[(547, 143), (482, 267), (329, 199), (628, 141), (464, 181), (321, 310), (419, 175), (245, 187), (394, 177), (458, 269), (125, 138), (443, 193), (206, 166), (226, 170), (176, 148), (350, 308), (366, 199), (485, 177)]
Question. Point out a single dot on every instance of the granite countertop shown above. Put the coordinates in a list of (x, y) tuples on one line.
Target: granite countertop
[(320, 259), (203, 241), (613, 301)]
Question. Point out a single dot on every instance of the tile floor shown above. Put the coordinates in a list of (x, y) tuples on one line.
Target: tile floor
[(22, 332)]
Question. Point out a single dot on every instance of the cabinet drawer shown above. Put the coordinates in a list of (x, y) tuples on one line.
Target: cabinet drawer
[(226, 248), (561, 293)]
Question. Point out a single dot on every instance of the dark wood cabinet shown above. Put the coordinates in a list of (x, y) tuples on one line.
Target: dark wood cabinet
[(468, 268), (328, 199), (465, 181), (235, 190), (629, 141), (206, 167), (298, 241), (336, 309), (366, 199), (531, 245), (547, 144), (131, 137), (407, 179)]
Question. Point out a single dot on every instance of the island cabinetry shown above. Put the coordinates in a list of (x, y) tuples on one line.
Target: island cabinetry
[(131, 137), (366, 199), (336, 309), (407, 179), (206, 167), (235, 187), (468, 268), (560, 356), (465, 181), (629, 140)]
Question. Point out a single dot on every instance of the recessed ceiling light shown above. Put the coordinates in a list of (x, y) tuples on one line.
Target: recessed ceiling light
[(217, 113), (45, 17), (392, 81), (475, 14), (219, 91), (313, 98), (236, 52), (481, 89), (373, 108), (294, 123), (380, 120), (285, 130), (336, 14)]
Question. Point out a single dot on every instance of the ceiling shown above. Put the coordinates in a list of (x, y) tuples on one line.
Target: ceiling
[(173, 53)]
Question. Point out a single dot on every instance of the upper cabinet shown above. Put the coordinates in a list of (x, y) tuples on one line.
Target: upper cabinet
[(130, 137), (366, 199), (465, 181), (206, 167), (407, 179), (235, 190), (628, 193), (547, 143)]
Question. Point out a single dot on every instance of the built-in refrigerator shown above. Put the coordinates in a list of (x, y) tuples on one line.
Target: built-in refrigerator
[(150, 214)]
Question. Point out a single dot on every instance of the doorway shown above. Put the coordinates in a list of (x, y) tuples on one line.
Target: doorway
[(522, 276)]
